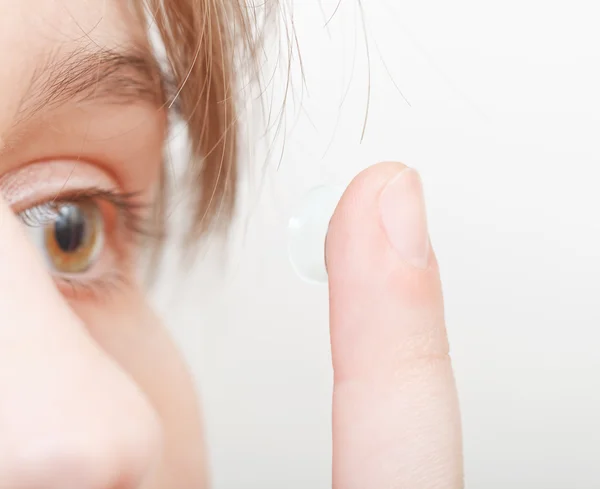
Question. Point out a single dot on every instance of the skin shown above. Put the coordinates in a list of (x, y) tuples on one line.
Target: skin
[(84, 401)]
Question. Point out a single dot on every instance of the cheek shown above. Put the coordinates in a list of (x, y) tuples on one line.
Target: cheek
[(127, 329)]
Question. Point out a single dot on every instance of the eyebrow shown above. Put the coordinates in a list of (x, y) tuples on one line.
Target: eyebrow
[(100, 75)]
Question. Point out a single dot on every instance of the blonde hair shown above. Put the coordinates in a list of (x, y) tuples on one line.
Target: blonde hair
[(204, 40)]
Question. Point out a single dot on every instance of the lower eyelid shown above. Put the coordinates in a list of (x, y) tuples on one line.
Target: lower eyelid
[(83, 290)]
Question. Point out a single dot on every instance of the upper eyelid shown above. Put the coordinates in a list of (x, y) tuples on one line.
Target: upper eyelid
[(125, 141), (45, 181)]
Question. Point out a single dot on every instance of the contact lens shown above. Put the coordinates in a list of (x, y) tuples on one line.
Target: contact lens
[(307, 230)]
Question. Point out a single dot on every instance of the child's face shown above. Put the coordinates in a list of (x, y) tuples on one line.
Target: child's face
[(93, 394)]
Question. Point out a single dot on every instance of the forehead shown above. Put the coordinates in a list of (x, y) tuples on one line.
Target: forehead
[(32, 30)]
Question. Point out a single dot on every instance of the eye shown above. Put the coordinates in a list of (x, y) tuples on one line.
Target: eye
[(70, 235), (73, 241), (89, 238)]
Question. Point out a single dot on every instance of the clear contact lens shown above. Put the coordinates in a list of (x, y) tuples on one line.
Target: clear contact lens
[(307, 230)]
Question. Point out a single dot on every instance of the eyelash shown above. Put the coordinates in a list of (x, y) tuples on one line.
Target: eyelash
[(131, 224)]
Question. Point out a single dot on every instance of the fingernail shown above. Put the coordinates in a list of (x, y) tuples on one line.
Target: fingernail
[(404, 217)]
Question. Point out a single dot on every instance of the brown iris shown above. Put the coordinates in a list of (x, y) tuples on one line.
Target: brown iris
[(74, 237)]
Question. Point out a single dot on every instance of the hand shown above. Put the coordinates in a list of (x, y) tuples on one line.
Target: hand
[(396, 421)]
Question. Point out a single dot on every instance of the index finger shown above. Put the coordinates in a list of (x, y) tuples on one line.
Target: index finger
[(395, 412)]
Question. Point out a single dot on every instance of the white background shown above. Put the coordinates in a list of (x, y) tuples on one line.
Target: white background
[(503, 126)]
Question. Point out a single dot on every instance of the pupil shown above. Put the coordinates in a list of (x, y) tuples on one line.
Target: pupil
[(69, 228)]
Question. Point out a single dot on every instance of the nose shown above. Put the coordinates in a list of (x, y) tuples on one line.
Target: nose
[(76, 424), (70, 418)]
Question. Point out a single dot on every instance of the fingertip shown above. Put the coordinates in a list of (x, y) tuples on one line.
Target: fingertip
[(380, 222), (364, 187)]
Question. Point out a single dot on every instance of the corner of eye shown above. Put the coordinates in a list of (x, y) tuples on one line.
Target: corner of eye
[(8, 217)]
